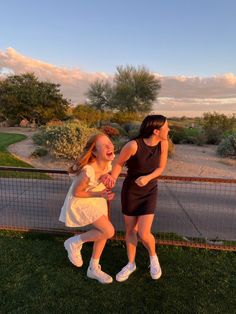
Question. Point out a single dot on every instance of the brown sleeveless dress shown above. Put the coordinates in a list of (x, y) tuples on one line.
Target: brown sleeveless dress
[(136, 200)]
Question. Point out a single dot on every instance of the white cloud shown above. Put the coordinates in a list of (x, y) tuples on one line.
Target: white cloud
[(178, 95), (74, 82)]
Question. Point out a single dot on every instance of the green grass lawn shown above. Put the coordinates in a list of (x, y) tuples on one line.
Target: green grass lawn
[(6, 158), (36, 277)]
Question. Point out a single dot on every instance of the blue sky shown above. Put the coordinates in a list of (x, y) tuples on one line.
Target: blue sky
[(188, 44), (171, 37)]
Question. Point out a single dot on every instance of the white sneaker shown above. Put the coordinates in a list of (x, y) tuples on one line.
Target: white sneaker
[(74, 251), (125, 272), (155, 269), (97, 273)]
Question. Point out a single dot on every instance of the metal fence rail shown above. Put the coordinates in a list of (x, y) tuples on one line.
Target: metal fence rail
[(197, 212)]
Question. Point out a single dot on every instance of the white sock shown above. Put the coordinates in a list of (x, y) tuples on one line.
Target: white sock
[(93, 263), (153, 258), (131, 265), (77, 239)]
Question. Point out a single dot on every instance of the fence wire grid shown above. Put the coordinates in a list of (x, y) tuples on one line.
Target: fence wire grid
[(196, 212)]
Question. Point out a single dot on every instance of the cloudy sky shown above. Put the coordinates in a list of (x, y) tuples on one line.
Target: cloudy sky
[(189, 45)]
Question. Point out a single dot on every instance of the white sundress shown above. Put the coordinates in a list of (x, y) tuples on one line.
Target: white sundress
[(78, 211)]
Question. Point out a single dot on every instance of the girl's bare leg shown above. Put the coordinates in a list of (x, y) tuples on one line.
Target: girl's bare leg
[(131, 236), (144, 232), (105, 227)]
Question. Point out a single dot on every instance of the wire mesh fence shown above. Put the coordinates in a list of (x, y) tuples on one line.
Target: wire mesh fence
[(197, 212)]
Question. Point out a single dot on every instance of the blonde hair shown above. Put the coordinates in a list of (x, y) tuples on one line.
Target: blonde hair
[(87, 156)]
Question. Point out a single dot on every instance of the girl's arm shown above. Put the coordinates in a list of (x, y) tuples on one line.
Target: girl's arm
[(81, 185), (126, 152), (143, 180)]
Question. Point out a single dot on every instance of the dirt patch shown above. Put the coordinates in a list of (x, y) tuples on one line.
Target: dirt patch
[(188, 160), (200, 161)]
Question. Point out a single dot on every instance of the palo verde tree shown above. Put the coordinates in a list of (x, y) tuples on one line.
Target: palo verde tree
[(133, 90), (24, 96), (100, 95)]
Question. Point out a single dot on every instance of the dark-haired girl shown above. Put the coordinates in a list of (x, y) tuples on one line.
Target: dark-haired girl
[(145, 158)]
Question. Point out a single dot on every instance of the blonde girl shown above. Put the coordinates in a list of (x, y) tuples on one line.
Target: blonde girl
[(86, 204)]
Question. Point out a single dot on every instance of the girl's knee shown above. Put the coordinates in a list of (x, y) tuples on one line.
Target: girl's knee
[(131, 232), (144, 235), (109, 232)]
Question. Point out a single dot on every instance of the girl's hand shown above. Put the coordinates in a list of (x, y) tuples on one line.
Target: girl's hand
[(108, 181), (142, 181), (108, 194)]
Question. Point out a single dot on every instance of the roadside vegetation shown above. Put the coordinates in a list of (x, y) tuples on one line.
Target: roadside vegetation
[(115, 108)]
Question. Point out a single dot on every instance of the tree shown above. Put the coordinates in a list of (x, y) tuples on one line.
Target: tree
[(100, 95), (134, 90), (24, 96)]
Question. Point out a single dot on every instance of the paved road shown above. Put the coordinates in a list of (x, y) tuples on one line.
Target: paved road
[(190, 209)]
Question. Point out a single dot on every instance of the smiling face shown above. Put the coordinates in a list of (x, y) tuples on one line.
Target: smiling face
[(104, 149)]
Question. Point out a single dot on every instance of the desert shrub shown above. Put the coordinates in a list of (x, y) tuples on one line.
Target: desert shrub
[(177, 134), (213, 136), (121, 130), (87, 114), (132, 133), (131, 125), (38, 138), (215, 125), (227, 146), (54, 123), (171, 148), (110, 131), (119, 142), (201, 139), (182, 135), (67, 140), (126, 117), (40, 152)]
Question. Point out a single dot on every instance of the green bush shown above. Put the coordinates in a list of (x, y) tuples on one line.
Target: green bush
[(66, 141), (215, 125), (38, 137), (126, 117), (227, 147), (122, 131), (177, 134), (40, 152), (87, 114), (130, 125), (119, 142), (134, 132), (182, 135), (171, 148)]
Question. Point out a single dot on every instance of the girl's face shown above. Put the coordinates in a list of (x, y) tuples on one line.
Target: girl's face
[(163, 132), (104, 149)]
